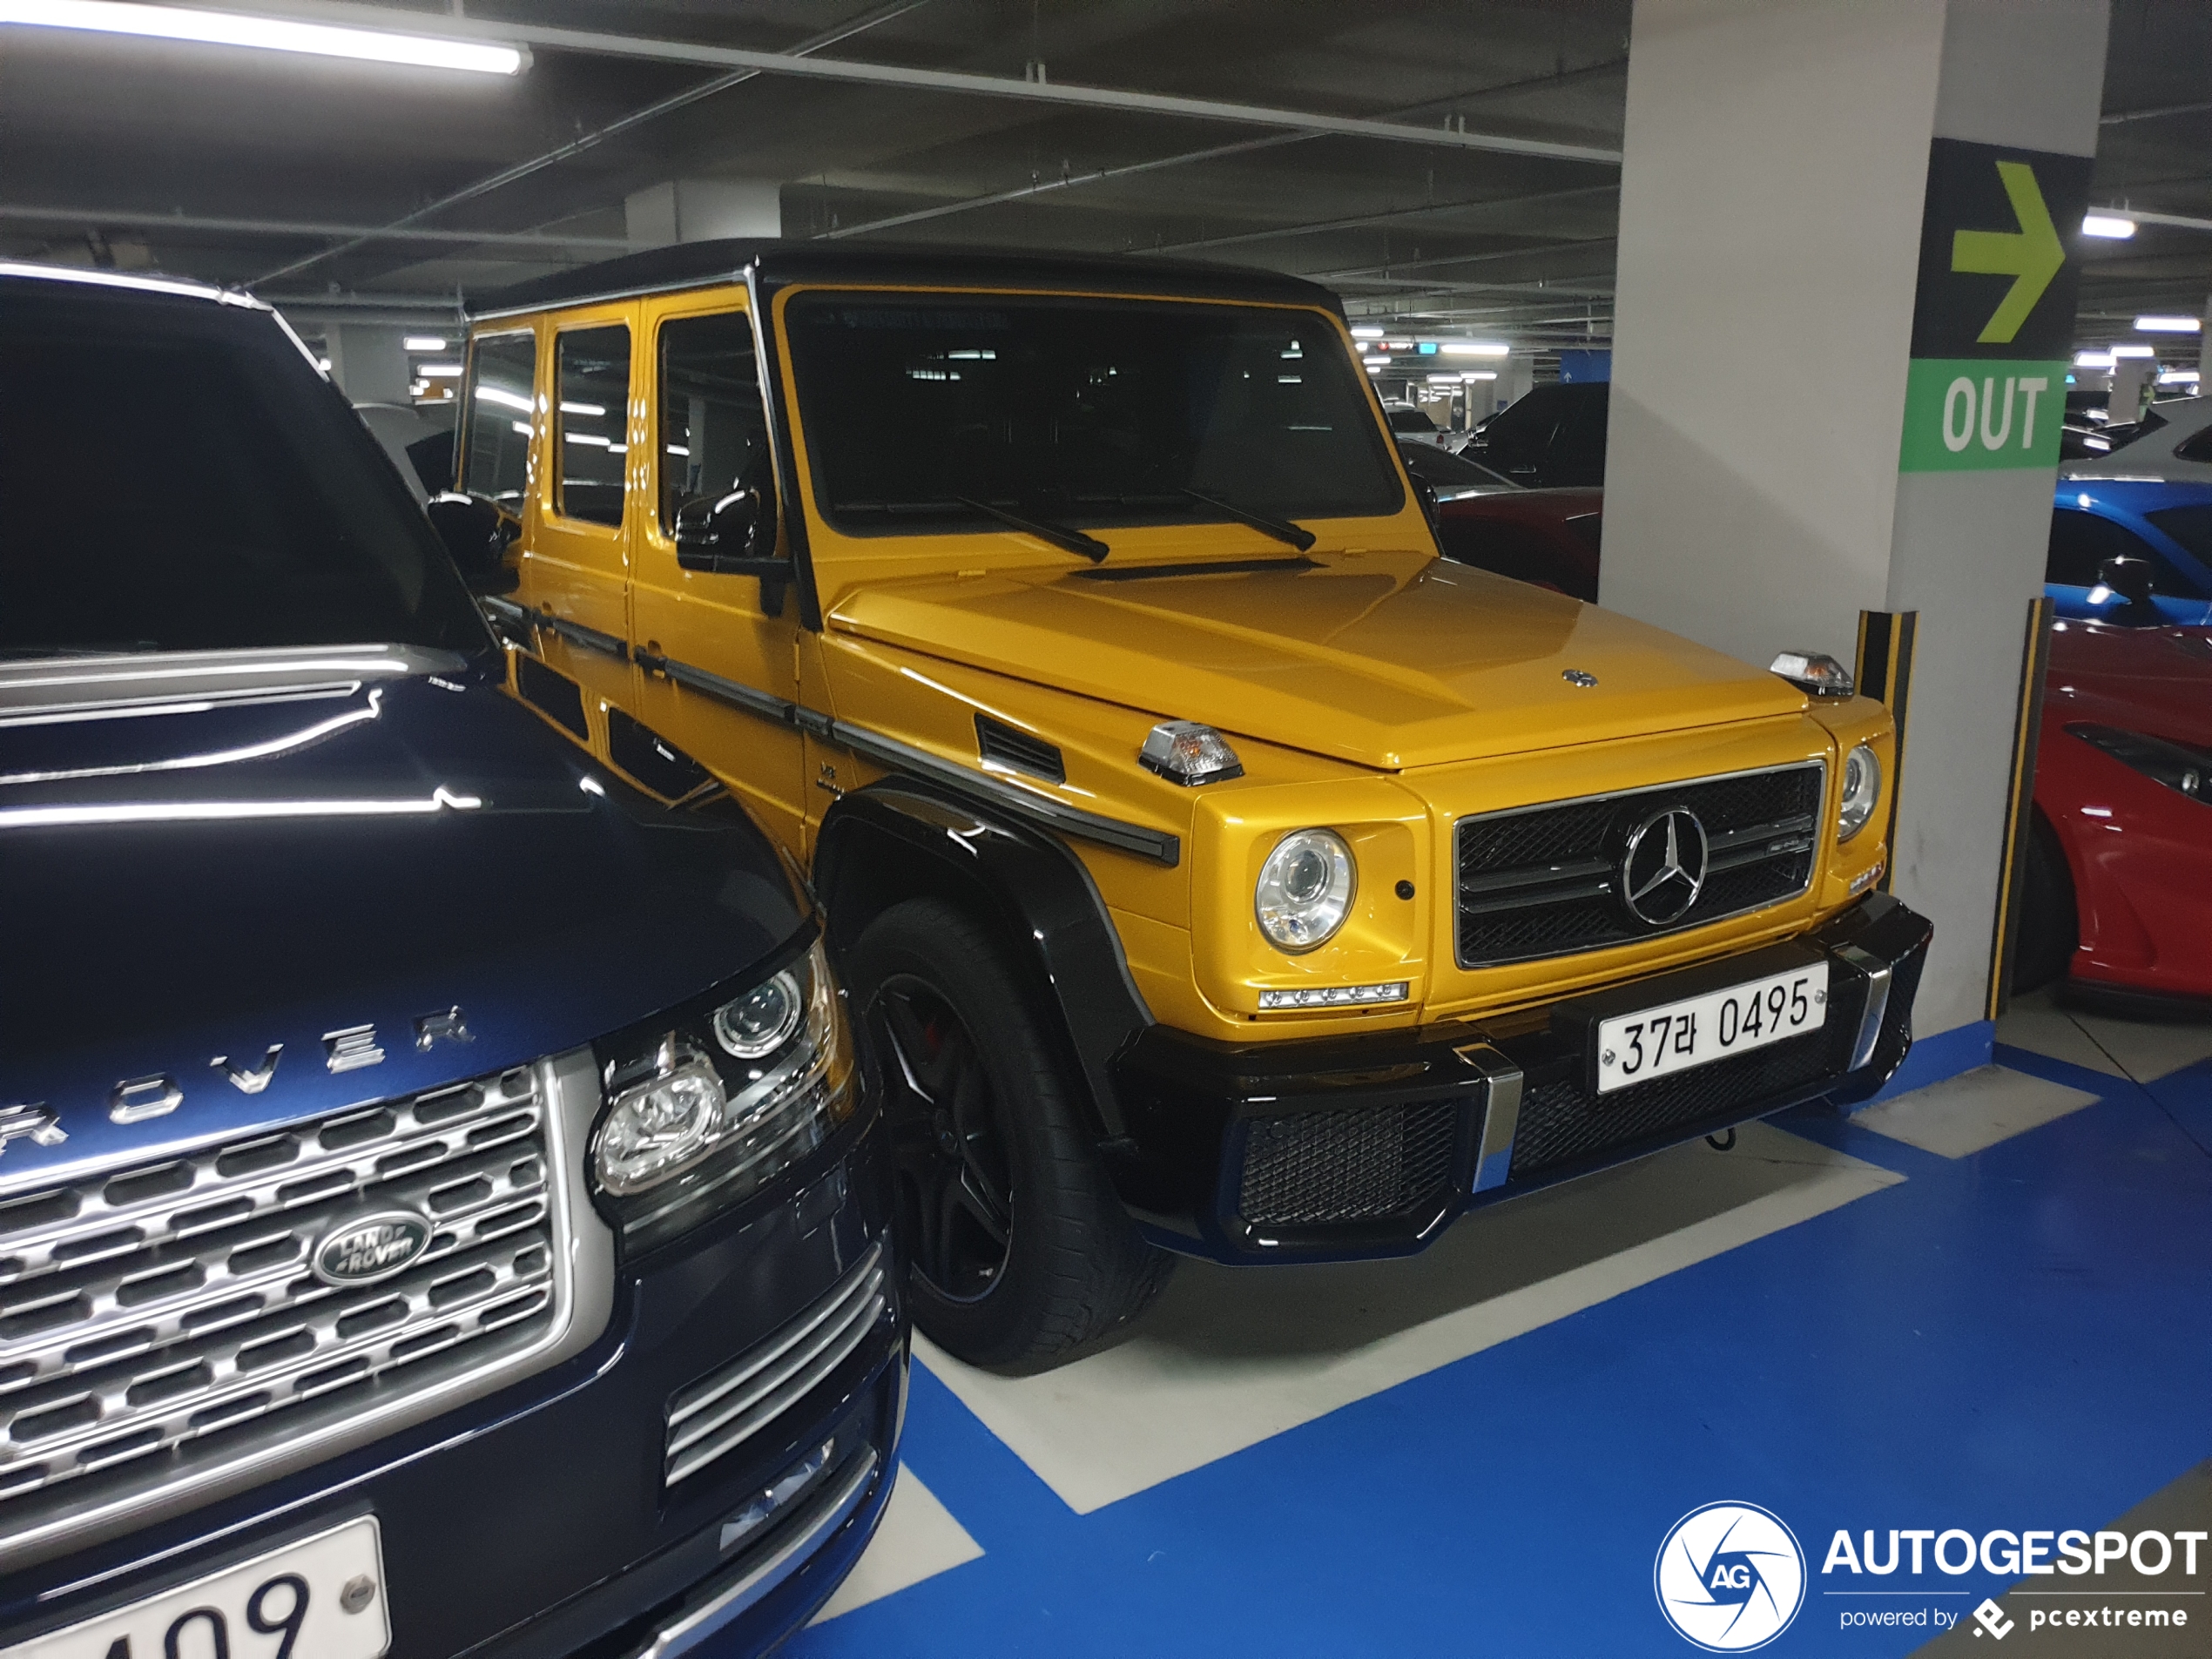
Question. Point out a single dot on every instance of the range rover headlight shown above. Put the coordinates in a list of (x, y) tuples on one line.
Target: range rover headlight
[(1305, 889), (708, 1102), (1862, 792)]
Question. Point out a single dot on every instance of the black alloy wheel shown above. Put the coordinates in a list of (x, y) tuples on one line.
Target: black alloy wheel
[(956, 1195), (1019, 1255)]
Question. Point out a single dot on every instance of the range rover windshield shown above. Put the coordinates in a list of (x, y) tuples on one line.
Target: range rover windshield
[(923, 411), (174, 477)]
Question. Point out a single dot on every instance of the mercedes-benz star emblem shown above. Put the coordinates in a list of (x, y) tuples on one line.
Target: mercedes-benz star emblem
[(1663, 869)]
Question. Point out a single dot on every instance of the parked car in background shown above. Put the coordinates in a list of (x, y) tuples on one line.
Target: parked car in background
[(1411, 424), (1549, 537), (419, 445), (2118, 898), (2161, 531), (1553, 436), (442, 1208), (2173, 440), (1449, 475)]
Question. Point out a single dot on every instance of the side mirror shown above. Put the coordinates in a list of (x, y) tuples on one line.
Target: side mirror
[(717, 533), (475, 534), (2132, 578)]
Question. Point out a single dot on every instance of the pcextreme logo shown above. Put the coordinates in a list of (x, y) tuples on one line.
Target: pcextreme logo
[(1730, 1577)]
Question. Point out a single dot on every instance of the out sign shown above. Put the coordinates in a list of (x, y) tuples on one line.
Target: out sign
[(1967, 414)]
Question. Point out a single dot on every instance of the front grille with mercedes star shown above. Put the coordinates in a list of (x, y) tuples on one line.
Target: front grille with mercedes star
[(168, 1320), (1548, 880)]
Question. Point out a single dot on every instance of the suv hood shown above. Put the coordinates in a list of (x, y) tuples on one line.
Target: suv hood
[(1391, 660), (294, 854)]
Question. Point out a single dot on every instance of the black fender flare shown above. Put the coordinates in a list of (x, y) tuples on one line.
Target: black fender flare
[(903, 839)]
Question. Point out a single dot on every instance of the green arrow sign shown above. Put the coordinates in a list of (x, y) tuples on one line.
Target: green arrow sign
[(2031, 256)]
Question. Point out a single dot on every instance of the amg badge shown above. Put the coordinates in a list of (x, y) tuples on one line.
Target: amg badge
[(367, 1248)]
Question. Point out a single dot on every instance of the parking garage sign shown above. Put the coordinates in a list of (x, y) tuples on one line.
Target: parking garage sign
[(1993, 320)]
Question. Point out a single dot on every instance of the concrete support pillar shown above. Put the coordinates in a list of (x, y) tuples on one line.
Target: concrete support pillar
[(368, 361), (1799, 314), (2131, 381), (698, 210)]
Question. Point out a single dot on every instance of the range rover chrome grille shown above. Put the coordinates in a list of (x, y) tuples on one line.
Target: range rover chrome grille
[(160, 1321), (1534, 881)]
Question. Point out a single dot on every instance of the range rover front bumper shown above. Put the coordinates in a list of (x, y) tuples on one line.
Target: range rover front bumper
[(1340, 1150)]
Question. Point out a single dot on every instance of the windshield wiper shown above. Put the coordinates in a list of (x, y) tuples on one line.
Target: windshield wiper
[(1281, 529), (1061, 535)]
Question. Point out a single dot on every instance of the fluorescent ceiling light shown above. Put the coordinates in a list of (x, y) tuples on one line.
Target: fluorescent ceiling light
[(1364, 332), (505, 399), (2184, 375), (1479, 374), (2105, 225), (1372, 369), (2133, 351), (2093, 360), (576, 408), (1376, 362), (1476, 349), (271, 34), (2168, 325), (440, 371), (423, 343)]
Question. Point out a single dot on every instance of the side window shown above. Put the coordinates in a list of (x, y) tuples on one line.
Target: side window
[(2080, 542), (502, 373), (592, 374), (714, 430)]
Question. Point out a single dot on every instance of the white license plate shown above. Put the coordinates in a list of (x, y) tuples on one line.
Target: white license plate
[(1675, 1036), (287, 1604)]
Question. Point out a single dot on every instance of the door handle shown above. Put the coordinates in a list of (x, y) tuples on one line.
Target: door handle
[(649, 659)]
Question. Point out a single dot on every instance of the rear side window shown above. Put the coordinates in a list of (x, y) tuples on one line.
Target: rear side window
[(2080, 542), (713, 427), (1415, 421), (2196, 447), (502, 375), (592, 385), (2191, 526)]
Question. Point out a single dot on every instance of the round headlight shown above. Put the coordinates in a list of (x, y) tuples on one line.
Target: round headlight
[(762, 1021), (1862, 792), (1305, 889), (661, 1125)]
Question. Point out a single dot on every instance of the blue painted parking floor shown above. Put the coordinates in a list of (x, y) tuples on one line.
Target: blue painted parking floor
[(1983, 1310)]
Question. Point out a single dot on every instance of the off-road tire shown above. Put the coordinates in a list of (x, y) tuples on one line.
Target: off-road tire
[(1077, 1274)]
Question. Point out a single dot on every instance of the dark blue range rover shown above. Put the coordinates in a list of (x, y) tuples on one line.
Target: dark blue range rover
[(441, 1210)]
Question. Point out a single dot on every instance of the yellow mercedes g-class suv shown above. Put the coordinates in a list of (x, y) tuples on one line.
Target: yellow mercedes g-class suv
[(1219, 871)]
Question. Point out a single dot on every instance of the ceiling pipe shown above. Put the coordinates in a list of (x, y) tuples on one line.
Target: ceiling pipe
[(1103, 175), (577, 145), (138, 220), (2174, 221), (1360, 221), (599, 43)]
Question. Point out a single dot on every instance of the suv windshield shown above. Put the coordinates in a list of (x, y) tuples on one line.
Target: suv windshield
[(174, 477), (1098, 412)]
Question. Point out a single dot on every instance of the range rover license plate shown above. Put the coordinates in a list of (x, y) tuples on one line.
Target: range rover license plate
[(1676, 1036), (291, 1601)]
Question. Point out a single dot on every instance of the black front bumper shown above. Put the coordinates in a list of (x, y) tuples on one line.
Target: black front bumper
[(1343, 1149)]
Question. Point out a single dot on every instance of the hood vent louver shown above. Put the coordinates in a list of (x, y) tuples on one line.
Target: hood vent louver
[(1005, 746)]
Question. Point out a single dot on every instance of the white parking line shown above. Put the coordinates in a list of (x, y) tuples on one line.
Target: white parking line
[(1963, 1115), (1235, 1356), (919, 1538)]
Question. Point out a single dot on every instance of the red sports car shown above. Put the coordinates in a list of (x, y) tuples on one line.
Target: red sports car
[(2118, 880)]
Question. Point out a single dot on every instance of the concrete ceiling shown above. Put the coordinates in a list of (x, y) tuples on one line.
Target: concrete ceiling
[(257, 168)]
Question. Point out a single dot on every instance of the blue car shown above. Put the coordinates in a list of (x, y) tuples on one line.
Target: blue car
[(442, 1208), (2166, 525)]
